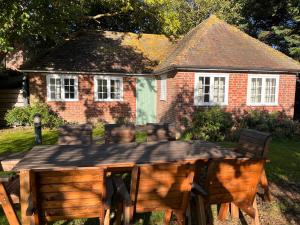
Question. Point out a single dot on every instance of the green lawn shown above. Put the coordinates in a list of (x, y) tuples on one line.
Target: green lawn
[(22, 139), (284, 167)]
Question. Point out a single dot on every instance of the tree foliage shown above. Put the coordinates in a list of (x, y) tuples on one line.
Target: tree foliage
[(46, 23), (276, 22)]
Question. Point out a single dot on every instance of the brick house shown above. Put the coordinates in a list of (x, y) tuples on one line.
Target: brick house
[(104, 75)]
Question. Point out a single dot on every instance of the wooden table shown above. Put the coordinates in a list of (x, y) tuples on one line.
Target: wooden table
[(59, 157)]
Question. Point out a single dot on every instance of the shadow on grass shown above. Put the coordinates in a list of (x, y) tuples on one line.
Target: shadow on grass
[(22, 140)]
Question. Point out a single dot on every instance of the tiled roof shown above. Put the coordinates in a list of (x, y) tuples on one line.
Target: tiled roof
[(214, 44), (106, 51)]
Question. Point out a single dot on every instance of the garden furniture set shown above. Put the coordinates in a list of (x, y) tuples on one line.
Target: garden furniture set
[(182, 178)]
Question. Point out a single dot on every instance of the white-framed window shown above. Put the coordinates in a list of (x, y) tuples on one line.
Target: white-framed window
[(163, 87), (262, 89), (108, 88), (62, 87), (211, 89)]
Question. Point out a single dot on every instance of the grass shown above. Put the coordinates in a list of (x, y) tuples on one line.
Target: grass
[(22, 139), (285, 159), (284, 167)]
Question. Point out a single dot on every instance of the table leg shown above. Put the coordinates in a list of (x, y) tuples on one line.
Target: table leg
[(25, 196)]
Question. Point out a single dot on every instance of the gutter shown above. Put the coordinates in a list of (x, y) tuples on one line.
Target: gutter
[(167, 70), (199, 69), (86, 73)]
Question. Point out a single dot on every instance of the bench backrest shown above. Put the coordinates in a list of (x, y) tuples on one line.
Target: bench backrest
[(159, 132), (75, 134), (161, 186), (115, 133), (233, 180), (253, 143), (70, 194)]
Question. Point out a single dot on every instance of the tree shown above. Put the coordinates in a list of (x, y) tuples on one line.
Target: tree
[(275, 22), (38, 24)]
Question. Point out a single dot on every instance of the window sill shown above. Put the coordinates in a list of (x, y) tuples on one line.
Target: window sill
[(261, 105), (62, 100), (108, 100), (211, 104)]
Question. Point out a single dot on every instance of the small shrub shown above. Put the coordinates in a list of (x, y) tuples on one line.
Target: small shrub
[(277, 123), (211, 124), (23, 116), (17, 116), (98, 130)]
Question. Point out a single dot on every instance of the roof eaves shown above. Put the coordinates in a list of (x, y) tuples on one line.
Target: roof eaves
[(225, 69), (84, 72)]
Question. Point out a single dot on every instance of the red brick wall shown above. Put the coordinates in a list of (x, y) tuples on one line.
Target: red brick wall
[(86, 109), (181, 101), (165, 108)]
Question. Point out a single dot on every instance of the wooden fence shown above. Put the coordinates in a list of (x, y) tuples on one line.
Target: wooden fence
[(8, 99)]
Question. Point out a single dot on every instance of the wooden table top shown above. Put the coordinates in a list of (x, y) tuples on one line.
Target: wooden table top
[(119, 155)]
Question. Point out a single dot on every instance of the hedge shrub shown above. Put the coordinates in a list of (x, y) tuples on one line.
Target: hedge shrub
[(211, 124), (214, 124), (23, 116), (277, 123)]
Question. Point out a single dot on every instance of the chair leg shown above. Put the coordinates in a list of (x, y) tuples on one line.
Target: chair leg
[(167, 217), (223, 212), (234, 210), (200, 211), (255, 221), (128, 215), (119, 212), (265, 185), (107, 217), (180, 215), (189, 215), (7, 207)]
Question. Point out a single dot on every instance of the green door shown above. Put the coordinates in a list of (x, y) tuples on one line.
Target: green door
[(145, 100)]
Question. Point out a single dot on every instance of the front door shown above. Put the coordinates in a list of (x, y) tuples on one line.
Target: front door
[(145, 100)]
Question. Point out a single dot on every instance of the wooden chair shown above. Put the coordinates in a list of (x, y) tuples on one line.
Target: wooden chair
[(229, 181), (9, 195), (116, 133), (70, 194), (160, 132), (158, 187), (75, 134), (255, 144)]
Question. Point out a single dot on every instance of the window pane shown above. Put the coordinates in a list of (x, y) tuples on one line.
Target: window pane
[(55, 88), (256, 89), (206, 98), (270, 90), (115, 89), (163, 88), (219, 89), (102, 89), (69, 88), (200, 92)]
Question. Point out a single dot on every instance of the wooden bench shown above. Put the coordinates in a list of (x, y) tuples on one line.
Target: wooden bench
[(70, 194), (75, 134), (229, 181), (159, 132), (116, 133), (159, 187)]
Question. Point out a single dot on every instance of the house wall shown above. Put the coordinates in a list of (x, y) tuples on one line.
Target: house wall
[(180, 103), (86, 109)]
